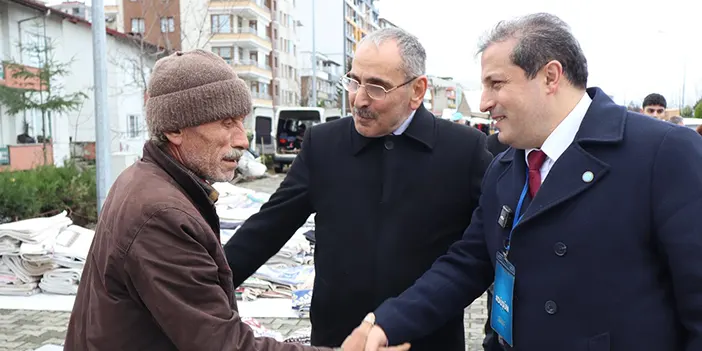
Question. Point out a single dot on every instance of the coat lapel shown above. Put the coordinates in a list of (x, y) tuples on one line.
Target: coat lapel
[(577, 170), (511, 182)]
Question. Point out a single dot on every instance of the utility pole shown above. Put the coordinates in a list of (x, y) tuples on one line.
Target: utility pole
[(314, 59), (682, 102), (102, 123)]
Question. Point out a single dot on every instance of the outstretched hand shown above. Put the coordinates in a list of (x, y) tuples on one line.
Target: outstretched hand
[(369, 337)]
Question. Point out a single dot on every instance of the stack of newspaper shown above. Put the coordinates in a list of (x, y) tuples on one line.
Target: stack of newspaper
[(26, 249)]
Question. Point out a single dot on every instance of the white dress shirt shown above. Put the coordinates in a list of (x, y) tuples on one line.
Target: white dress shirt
[(561, 137), (401, 129)]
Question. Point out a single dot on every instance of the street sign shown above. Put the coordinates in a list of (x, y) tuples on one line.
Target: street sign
[(4, 155)]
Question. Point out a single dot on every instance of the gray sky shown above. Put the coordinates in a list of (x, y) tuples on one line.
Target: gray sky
[(633, 47)]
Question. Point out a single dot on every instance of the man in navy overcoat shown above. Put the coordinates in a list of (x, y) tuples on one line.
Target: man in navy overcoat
[(605, 251)]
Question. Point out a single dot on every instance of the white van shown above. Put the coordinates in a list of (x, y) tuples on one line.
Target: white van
[(290, 125), (692, 122), (332, 114), (260, 123)]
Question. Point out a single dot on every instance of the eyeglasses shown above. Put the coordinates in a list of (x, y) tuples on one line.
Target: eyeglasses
[(374, 91)]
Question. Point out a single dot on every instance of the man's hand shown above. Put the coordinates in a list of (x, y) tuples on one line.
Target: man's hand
[(377, 341), (367, 337)]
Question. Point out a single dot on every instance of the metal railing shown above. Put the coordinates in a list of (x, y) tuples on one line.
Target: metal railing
[(254, 63), (259, 95)]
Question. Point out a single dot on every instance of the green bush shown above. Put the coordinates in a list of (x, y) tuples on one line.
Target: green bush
[(48, 190)]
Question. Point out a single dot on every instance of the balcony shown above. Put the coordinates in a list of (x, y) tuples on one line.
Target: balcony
[(262, 99), (250, 69), (245, 37), (251, 9)]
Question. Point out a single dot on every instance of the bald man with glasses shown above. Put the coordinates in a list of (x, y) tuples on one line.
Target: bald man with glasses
[(392, 188)]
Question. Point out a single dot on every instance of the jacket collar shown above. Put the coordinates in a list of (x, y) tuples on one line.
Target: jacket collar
[(421, 129), (603, 123), (199, 191)]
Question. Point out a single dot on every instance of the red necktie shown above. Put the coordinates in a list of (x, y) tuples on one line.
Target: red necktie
[(536, 159)]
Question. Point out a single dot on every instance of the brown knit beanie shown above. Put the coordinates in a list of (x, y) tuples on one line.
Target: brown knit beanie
[(191, 88)]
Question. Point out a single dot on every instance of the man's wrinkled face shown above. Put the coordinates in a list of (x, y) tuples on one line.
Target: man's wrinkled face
[(379, 65), (655, 111), (212, 150), (513, 100)]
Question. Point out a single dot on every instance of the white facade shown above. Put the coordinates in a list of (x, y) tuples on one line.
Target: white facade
[(238, 31), (288, 75), (328, 73), (72, 42)]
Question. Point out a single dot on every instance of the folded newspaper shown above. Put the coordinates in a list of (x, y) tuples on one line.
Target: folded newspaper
[(285, 275), (302, 300)]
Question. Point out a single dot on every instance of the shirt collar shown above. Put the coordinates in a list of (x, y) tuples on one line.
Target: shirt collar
[(564, 134), (401, 129)]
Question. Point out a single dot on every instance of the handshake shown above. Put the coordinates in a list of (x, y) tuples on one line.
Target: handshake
[(370, 337)]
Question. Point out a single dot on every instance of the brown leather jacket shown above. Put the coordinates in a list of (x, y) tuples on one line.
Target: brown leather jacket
[(156, 277)]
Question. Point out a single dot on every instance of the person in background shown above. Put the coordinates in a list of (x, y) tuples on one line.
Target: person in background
[(458, 118), (381, 220), (588, 225), (156, 277), (494, 145), (654, 105), (677, 120), (301, 130)]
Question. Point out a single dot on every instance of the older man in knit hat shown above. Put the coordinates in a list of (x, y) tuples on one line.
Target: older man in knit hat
[(156, 277)]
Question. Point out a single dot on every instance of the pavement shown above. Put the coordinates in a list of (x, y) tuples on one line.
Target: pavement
[(25, 330)]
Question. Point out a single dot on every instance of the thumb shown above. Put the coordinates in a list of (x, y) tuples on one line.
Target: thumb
[(403, 347)]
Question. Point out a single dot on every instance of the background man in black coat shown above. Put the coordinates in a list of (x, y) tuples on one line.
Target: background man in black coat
[(494, 145), (392, 188)]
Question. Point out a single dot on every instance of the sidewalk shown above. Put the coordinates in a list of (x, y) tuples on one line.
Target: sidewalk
[(22, 330)]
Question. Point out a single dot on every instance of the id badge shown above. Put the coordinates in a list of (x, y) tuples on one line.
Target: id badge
[(501, 316)]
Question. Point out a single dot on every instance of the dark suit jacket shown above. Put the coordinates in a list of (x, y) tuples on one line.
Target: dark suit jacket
[(611, 264), (494, 145), (386, 209)]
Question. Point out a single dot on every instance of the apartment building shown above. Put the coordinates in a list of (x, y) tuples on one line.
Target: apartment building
[(340, 25), (112, 17), (286, 62), (74, 8), (385, 23), (328, 73), (156, 21), (443, 92), (258, 37), (240, 32)]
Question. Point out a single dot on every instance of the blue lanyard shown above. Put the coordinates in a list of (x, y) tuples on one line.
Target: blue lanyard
[(517, 215)]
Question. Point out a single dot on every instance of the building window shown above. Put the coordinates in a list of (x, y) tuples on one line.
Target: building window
[(167, 25), (138, 25), (253, 25), (241, 54), (133, 126), (221, 24), (33, 49), (224, 52)]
